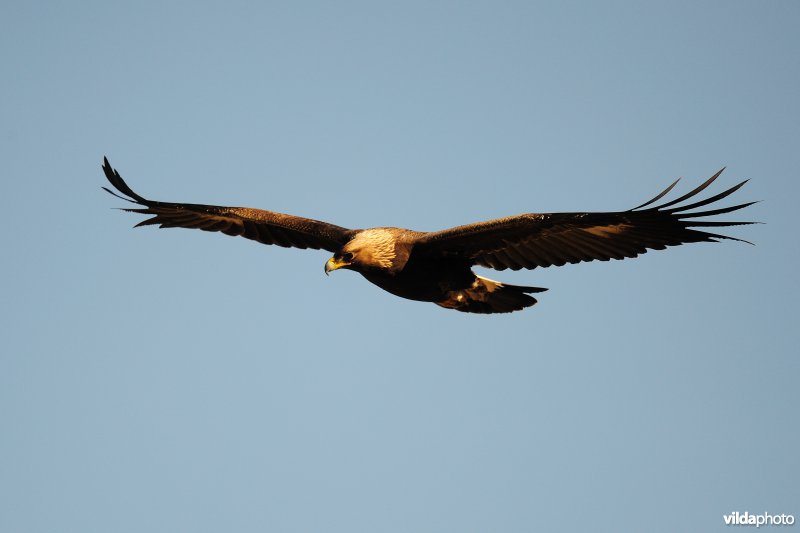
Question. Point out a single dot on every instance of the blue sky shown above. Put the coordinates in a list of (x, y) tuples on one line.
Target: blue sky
[(182, 381)]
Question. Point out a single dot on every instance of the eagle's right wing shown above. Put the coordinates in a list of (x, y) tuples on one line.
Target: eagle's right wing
[(541, 240), (266, 227)]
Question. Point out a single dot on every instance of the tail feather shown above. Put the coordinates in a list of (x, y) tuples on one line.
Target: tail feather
[(488, 296)]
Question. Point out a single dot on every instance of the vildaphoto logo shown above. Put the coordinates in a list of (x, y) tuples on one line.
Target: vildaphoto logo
[(764, 519)]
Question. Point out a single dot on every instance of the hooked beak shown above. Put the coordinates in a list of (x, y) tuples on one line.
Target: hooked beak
[(334, 264)]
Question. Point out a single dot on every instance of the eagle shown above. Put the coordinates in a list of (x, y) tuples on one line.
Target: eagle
[(437, 266)]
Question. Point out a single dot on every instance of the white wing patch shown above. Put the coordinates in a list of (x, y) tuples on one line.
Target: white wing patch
[(607, 231)]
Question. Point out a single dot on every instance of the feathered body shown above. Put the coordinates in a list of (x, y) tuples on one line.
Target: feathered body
[(437, 266), (387, 258)]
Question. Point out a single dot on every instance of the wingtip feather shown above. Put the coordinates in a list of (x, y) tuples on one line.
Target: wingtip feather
[(658, 196), (116, 180)]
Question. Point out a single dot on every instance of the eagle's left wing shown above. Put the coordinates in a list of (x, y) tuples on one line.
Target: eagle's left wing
[(267, 227), (541, 240)]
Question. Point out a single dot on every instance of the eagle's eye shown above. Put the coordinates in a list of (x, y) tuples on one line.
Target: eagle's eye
[(347, 257)]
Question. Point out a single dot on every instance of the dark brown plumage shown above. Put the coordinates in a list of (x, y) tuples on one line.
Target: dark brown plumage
[(437, 266)]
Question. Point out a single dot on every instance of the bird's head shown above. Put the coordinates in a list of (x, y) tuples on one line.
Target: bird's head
[(340, 259), (372, 249)]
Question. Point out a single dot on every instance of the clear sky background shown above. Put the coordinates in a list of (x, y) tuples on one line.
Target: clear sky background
[(174, 380)]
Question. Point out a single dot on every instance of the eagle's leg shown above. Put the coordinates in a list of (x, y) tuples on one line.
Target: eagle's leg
[(488, 296)]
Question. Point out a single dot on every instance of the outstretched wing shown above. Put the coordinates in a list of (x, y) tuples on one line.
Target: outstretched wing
[(542, 240), (263, 226)]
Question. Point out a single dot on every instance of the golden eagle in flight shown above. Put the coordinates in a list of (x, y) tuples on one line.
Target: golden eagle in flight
[(437, 266)]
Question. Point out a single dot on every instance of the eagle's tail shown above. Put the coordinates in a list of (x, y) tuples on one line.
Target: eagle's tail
[(489, 296)]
